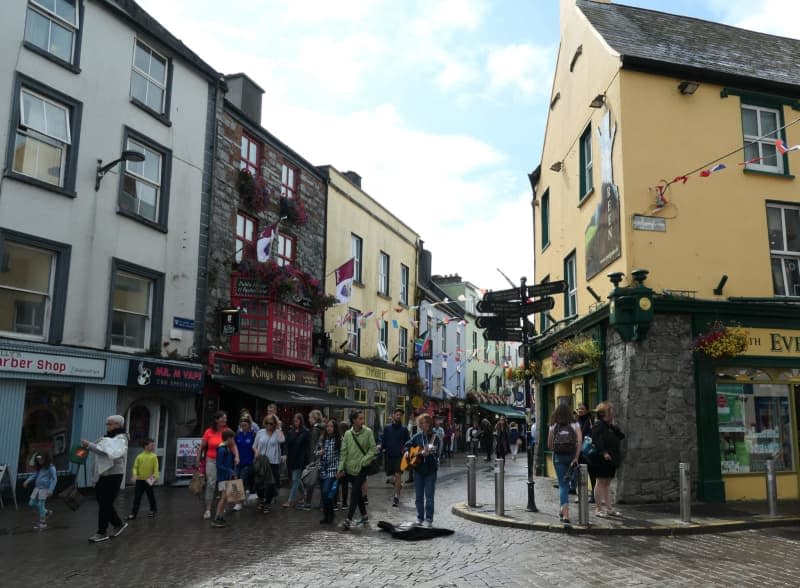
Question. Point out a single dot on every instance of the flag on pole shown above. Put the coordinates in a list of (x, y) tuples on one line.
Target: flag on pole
[(264, 243), (343, 276), (422, 346)]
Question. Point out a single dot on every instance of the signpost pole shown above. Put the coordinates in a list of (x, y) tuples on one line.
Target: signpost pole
[(527, 382)]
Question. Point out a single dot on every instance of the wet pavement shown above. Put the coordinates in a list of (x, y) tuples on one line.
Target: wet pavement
[(291, 548)]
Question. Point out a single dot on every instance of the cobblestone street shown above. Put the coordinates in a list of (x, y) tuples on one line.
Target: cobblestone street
[(289, 548)]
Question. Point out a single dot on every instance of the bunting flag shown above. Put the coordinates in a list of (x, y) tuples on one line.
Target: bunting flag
[(707, 172), (783, 149), (369, 314), (422, 344), (377, 323), (395, 324), (264, 243), (399, 309), (383, 313), (343, 276), (751, 160), (463, 323)]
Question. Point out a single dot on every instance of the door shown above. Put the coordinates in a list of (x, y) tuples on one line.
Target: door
[(147, 419)]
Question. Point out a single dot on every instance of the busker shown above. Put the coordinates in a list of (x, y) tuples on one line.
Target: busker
[(429, 445)]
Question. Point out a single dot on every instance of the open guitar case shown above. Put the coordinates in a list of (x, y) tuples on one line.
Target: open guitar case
[(413, 532)]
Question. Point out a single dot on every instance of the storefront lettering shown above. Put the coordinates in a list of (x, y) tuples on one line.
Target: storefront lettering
[(376, 373), (265, 374), (35, 363), (149, 374), (781, 343)]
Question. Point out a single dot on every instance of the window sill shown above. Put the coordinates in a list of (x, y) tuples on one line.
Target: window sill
[(160, 117), (359, 284), (140, 219), (384, 296), (585, 197), (12, 175), (403, 305), (49, 56), (760, 172)]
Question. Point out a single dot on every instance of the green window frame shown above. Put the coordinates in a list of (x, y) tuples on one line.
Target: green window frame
[(587, 178), (545, 219)]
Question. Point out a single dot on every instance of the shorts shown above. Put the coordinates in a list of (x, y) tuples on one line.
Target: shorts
[(221, 486), (393, 465)]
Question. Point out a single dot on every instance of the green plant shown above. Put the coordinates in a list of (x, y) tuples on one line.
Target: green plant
[(344, 372), (722, 341), (576, 351)]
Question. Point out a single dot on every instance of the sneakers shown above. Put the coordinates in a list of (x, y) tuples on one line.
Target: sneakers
[(418, 523), (218, 522), (366, 500), (346, 524), (40, 525), (237, 506), (427, 524), (119, 530), (363, 520), (98, 537), (130, 517), (306, 506), (395, 501), (207, 515)]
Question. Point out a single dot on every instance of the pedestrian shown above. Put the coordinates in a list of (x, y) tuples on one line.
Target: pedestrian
[(328, 447), (358, 451), (564, 440), (502, 444), (586, 423), (44, 481), (344, 485), (110, 452), (425, 474), (514, 440), (245, 438), (226, 472), (487, 438), (267, 445), (607, 437), (474, 438), (447, 441), (438, 430), (316, 428), (297, 439), (145, 475), (207, 453), (392, 445)]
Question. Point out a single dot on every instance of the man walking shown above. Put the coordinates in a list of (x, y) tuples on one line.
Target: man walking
[(392, 443)]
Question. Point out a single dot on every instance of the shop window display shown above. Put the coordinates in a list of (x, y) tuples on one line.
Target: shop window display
[(754, 426), (47, 426)]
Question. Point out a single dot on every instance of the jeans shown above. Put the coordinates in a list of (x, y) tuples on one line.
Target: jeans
[(245, 473), (425, 486), (295, 484), (106, 491), (327, 501), (356, 496), (141, 487), (562, 464), (40, 506)]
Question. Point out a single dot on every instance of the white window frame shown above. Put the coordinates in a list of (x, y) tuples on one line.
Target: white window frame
[(73, 27), (354, 331), (357, 252), (149, 315), (404, 273), (134, 145), (402, 345), (765, 142), (243, 221), (571, 275), (281, 257), (288, 180), (48, 296), (383, 273), (42, 136), (146, 75), (784, 254), (248, 147)]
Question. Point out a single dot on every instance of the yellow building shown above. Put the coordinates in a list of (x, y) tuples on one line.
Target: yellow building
[(372, 334), (665, 151)]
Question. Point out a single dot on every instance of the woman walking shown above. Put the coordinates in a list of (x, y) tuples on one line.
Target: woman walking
[(606, 436), (268, 446), (328, 448), (514, 440), (245, 437), (425, 473), (502, 445), (585, 423), (212, 439), (110, 452), (297, 439), (358, 451), (564, 440)]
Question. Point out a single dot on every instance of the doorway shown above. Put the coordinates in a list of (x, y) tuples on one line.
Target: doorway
[(147, 419)]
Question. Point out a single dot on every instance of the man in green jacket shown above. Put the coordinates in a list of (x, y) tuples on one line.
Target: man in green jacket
[(358, 451)]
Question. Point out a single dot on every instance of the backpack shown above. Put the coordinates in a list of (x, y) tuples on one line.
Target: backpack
[(565, 441)]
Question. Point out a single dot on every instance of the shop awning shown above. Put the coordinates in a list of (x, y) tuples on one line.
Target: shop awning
[(295, 396), (509, 411)]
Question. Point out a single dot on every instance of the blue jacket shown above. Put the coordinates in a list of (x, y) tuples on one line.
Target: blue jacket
[(393, 440), (225, 467), (45, 478), (244, 441)]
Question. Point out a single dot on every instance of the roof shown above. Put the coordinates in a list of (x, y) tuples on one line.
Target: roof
[(647, 39)]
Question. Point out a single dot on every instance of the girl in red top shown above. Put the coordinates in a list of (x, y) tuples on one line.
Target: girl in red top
[(212, 438)]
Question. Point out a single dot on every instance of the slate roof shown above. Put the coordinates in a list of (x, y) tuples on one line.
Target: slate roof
[(647, 39)]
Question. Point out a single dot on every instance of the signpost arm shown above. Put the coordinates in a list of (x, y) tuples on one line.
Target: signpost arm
[(528, 405)]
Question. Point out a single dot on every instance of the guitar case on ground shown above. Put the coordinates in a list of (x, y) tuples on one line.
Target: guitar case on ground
[(412, 532)]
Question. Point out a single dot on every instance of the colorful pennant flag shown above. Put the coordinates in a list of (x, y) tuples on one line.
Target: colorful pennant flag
[(343, 275), (395, 324), (707, 172), (783, 149)]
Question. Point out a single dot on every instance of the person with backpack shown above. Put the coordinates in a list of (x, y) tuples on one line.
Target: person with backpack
[(607, 437), (502, 444), (564, 440), (586, 423)]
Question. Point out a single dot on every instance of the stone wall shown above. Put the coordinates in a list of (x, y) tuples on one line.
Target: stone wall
[(652, 387)]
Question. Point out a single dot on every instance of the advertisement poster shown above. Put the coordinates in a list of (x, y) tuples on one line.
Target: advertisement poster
[(186, 456)]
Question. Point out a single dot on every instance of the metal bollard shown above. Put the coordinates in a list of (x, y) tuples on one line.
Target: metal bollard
[(685, 492), (772, 489), (583, 494), (472, 499), (499, 487)]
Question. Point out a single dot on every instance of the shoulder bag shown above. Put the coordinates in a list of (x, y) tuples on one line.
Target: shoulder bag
[(372, 467)]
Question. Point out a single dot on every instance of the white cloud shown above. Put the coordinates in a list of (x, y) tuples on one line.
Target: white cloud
[(315, 11), (450, 15), (522, 67), (341, 65), (776, 17)]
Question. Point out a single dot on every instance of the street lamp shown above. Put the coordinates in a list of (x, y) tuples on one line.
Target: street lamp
[(102, 170)]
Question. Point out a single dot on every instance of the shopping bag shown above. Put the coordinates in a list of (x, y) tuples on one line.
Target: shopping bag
[(197, 483), (234, 491), (72, 497), (310, 475)]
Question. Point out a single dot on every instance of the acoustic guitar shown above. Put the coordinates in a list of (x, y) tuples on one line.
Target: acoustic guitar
[(413, 460)]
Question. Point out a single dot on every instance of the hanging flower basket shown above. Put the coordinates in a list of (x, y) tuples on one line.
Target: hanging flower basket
[(577, 351), (722, 341), (293, 210), (288, 284), (518, 375), (253, 191)]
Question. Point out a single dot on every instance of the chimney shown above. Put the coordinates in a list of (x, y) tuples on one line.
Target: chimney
[(353, 177), (245, 95)]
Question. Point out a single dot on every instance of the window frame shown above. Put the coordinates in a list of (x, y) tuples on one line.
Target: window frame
[(384, 269), (162, 221), (73, 64), (54, 329), (544, 213), (164, 115), (402, 345), (156, 302), (354, 331), (280, 246), (241, 250), (404, 276), (288, 190), (784, 254), (75, 113), (245, 164), (782, 161), (357, 252), (571, 293), (586, 164)]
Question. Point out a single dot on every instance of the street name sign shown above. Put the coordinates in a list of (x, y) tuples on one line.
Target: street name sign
[(512, 294), (502, 335), (547, 288), (516, 308), (497, 322)]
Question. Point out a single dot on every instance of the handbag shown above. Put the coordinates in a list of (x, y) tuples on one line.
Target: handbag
[(197, 483), (234, 490), (372, 467), (310, 476), (588, 448), (72, 497)]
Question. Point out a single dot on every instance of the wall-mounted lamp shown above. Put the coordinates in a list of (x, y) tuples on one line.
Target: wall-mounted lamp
[(598, 101), (688, 88), (102, 170), (556, 167), (721, 285), (594, 294)]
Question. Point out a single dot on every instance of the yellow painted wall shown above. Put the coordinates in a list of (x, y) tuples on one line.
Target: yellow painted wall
[(351, 210), (753, 487)]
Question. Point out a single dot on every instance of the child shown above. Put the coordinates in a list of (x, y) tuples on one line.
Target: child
[(225, 472), (145, 474), (44, 479)]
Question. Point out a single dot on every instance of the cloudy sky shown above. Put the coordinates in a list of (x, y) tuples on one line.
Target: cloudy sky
[(439, 105)]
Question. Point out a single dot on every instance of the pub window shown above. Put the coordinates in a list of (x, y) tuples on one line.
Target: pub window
[(545, 219), (284, 249), (761, 128), (383, 273), (402, 349), (404, 273), (357, 251), (289, 178), (586, 179), (783, 225), (245, 237), (248, 158), (360, 395), (354, 332), (571, 295)]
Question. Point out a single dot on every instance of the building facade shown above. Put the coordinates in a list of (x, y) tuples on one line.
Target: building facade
[(100, 224), (682, 135)]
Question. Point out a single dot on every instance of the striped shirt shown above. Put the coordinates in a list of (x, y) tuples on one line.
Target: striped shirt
[(329, 462)]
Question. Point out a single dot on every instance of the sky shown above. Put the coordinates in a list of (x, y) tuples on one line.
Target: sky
[(439, 105)]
